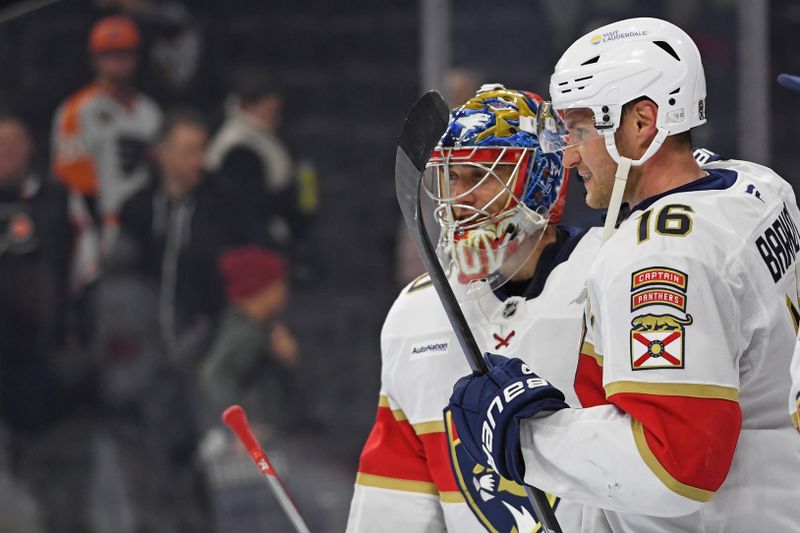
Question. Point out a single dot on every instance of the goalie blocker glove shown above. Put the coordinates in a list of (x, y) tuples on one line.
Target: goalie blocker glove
[(487, 410)]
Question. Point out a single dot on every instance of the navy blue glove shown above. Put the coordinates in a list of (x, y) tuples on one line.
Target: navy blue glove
[(487, 410)]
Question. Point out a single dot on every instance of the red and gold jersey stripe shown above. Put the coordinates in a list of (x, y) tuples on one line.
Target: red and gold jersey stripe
[(589, 377), (685, 433), (406, 457)]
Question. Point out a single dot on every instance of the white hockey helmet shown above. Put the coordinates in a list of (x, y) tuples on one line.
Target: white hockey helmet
[(616, 64), (626, 60)]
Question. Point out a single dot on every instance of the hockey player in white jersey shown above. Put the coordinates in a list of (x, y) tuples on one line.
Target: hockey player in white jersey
[(690, 320), (494, 192), (792, 82)]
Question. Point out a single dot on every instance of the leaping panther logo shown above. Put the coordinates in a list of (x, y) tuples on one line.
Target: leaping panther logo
[(650, 322)]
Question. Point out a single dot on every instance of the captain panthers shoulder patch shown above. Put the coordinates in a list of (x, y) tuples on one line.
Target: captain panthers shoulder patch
[(659, 275), (657, 340)]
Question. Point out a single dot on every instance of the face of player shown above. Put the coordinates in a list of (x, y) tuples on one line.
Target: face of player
[(589, 157), (489, 195), (182, 157), (116, 67), (15, 153)]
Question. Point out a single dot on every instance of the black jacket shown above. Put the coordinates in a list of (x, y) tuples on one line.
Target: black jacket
[(213, 221), (35, 254)]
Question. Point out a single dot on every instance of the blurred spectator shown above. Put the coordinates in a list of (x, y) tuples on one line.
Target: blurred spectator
[(176, 67), (461, 84), (175, 229), (251, 343), (100, 140), (251, 363), (141, 470), (19, 512), (248, 151), (45, 58), (35, 247), (35, 250)]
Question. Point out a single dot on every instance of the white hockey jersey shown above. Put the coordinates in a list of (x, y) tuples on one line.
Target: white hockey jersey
[(413, 474), (794, 395), (690, 326)]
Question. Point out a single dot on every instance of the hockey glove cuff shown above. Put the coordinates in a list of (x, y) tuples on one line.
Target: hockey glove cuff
[(488, 409)]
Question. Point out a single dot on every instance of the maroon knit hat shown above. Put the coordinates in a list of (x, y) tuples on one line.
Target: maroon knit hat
[(249, 269)]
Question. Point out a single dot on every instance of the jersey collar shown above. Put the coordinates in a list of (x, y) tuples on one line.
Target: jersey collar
[(567, 238), (717, 179)]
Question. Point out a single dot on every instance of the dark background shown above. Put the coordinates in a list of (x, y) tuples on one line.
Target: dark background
[(349, 71)]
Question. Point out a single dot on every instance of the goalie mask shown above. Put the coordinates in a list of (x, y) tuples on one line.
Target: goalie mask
[(494, 190)]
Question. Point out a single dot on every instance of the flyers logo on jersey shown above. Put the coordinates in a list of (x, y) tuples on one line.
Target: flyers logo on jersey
[(657, 341)]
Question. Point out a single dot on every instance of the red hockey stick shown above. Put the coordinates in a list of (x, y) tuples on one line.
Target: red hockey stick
[(236, 419)]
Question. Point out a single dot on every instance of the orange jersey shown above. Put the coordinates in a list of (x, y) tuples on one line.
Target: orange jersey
[(100, 142)]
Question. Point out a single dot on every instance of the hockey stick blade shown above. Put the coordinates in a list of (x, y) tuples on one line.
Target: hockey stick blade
[(236, 419), (425, 123)]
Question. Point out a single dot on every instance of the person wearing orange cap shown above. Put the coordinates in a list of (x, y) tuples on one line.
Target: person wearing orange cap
[(100, 139)]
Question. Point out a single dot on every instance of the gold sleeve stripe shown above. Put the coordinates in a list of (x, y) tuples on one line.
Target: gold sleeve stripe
[(436, 426), (399, 415), (687, 491), (451, 496), (690, 390), (423, 428), (588, 349), (406, 485)]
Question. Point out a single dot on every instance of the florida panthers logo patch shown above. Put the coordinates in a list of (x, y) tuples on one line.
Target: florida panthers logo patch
[(500, 504), (657, 341)]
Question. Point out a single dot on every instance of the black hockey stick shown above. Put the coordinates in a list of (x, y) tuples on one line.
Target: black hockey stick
[(424, 126)]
